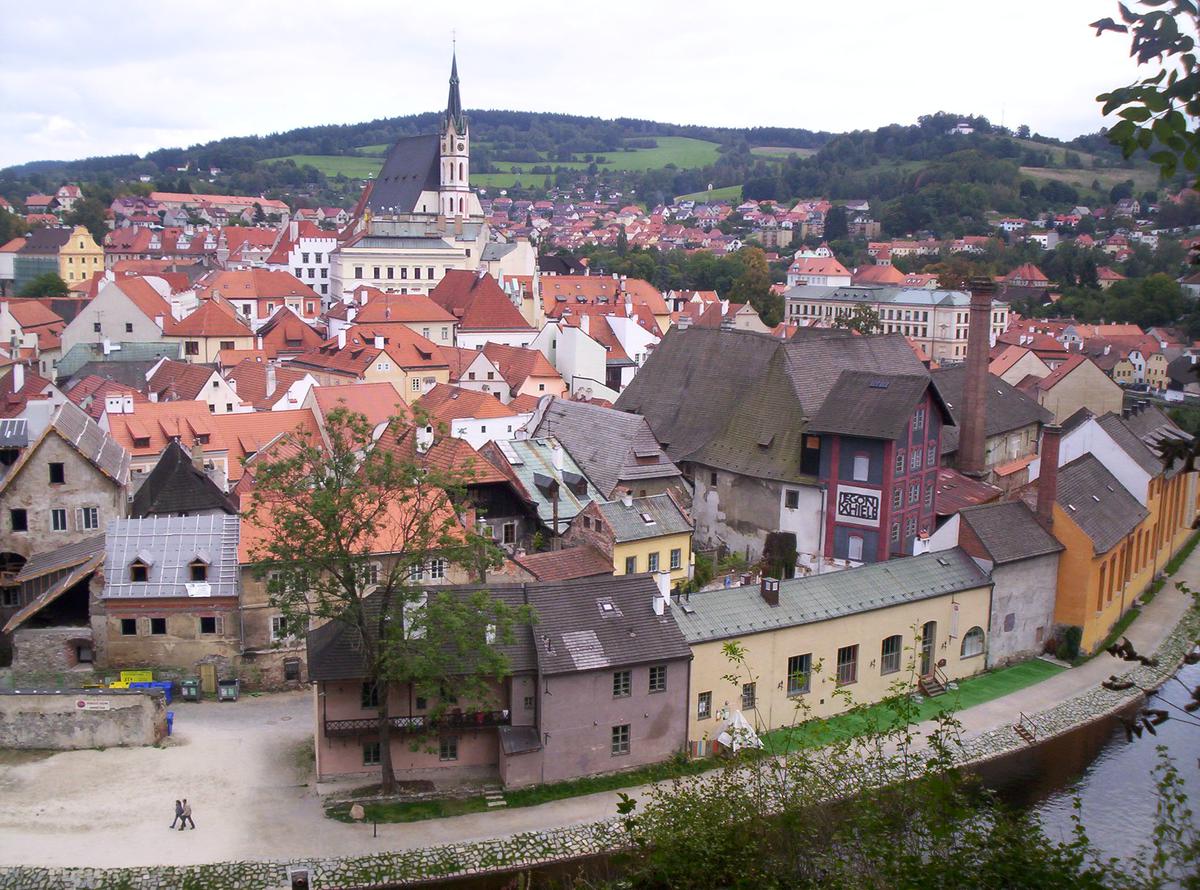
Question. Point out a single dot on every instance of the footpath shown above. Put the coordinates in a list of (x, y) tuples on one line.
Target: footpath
[(338, 854)]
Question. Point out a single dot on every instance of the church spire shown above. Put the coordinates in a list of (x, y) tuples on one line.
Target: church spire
[(454, 112)]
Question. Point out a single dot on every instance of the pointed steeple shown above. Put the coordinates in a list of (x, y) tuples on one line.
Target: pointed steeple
[(454, 112)]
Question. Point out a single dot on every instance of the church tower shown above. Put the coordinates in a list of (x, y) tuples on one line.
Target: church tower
[(455, 194)]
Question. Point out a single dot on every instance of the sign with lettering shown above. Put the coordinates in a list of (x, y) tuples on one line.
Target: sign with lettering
[(137, 676), (93, 704), (857, 506)]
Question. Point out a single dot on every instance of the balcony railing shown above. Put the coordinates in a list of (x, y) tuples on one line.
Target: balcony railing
[(417, 724)]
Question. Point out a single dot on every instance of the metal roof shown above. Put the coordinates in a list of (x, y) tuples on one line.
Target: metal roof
[(532, 462), (14, 432), (168, 545), (741, 611), (648, 517)]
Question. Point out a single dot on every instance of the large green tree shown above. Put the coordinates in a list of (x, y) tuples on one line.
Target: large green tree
[(90, 213), (48, 284), (753, 286), (346, 530)]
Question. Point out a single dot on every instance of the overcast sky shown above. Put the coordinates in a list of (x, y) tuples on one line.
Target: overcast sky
[(86, 78)]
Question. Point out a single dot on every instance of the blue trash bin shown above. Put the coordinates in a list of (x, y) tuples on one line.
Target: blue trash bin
[(170, 721), (165, 686)]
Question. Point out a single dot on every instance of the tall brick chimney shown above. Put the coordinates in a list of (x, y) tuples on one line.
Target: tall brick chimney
[(1047, 490), (972, 411)]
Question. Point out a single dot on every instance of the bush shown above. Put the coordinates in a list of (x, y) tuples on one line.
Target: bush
[(1068, 649)]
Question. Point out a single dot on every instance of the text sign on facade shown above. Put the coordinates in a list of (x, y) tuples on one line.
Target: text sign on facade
[(858, 506), (92, 704)]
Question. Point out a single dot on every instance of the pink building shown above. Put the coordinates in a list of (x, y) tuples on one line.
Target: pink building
[(597, 685)]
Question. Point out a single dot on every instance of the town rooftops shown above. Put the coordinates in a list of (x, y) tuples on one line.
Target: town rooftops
[(649, 517), (71, 423), (214, 318), (1009, 531), (1007, 408), (176, 487), (477, 301), (171, 550), (956, 492), (1095, 501), (376, 401), (541, 467), (741, 611)]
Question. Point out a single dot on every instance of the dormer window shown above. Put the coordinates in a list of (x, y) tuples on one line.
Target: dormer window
[(198, 570), (139, 572)]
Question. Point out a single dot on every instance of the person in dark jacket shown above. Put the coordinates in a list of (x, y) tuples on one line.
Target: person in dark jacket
[(178, 815)]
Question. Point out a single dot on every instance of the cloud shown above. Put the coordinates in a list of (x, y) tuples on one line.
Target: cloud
[(171, 75)]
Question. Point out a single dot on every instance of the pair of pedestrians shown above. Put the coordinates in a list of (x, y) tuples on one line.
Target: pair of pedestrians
[(183, 814)]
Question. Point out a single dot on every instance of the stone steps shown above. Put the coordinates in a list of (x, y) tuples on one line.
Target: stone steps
[(495, 800)]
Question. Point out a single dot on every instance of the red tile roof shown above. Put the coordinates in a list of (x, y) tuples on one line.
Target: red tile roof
[(92, 392), (174, 380), (478, 302), (214, 318), (956, 491), (144, 296), (517, 364), (250, 377), (568, 564), (445, 403), (255, 284), (382, 307), (376, 401)]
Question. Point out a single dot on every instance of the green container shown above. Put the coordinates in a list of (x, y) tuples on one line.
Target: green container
[(227, 690), (190, 690)]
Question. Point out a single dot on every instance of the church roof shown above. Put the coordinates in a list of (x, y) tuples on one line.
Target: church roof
[(454, 112), (411, 168)]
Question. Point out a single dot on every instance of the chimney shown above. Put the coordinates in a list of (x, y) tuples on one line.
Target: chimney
[(424, 439), (769, 588), (1047, 489), (158, 320), (106, 346), (627, 499), (270, 380), (198, 456), (342, 339), (662, 596), (258, 342), (378, 341), (556, 456), (585, 324), (18, 376), (973, 410)]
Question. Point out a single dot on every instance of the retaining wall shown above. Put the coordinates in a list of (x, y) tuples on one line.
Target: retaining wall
[(65, 720)]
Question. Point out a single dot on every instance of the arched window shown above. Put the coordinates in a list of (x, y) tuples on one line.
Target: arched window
[(460, 205), (461, 174), (972, 643)]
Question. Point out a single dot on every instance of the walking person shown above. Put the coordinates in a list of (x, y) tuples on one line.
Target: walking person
[(187, 815), (178, 815)]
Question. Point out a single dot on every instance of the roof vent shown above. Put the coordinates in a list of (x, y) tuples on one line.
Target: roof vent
[(880, 384)]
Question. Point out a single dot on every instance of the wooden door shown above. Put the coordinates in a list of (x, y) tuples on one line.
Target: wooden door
[(208, 679)]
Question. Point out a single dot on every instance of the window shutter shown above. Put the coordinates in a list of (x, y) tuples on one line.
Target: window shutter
[(78, 518), (144, 628), (219, 625)]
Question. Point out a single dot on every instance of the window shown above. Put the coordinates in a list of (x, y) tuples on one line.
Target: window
[(658, 678), (529, 703), (279, 629), (703, 705), (897, 498), (129, 327), (226, 344), (914, 493), (895, 531), (191, 347), (198, 570), (291, 670), (208, 624), (129, 627), (437, 569), (889, 658), (139, 572), (910, 526), (58, 520), (677, 558), (448, 748), (862, 467), (972, 643), (95, 327), (919, 419), (10, 596), (931, 454), (391, 272), (712, 479), (899, 463), (358, 271), (1010, 622), (370, 753), (652, 562), (429, 270), (791, 499), (847, 665), (854, 548), (622, 684), (158, 627), (749, 696), (928, 495), (799, 674), (630, 565), (620, 739), (416, 385), (508, 533), (377, 276), (915, 461), (368, 696)]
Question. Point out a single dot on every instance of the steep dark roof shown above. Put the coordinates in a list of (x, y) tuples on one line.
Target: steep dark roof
[(602, 623), (411, 168), (1007, 407), (609, 445), (874, 406), (175, 486), (1118, 430), (335, 652), (48, 239), (692, 381), (1096, 502), (1009, 531)]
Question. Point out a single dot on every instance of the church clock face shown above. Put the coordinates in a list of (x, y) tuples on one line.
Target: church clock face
[(460, 146)]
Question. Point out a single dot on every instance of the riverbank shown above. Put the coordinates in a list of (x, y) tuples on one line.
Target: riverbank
[(339, 855)]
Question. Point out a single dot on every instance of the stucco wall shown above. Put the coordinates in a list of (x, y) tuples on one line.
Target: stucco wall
[(59, 721), (1025, 590), (738, 511)]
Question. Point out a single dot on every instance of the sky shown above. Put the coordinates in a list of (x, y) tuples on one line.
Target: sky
[(79, 79)]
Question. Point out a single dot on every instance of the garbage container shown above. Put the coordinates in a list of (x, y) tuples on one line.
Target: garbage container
[(227, 690), (190, 690), (170, 721)]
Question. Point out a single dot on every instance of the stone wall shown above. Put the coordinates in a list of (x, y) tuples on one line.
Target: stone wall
[(48, 649), (65, 720)]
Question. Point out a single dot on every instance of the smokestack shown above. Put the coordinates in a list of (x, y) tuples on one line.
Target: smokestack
[(627, 499), (973, 410), (1047, 490), (342, 339), (662, 596), (769, 588)]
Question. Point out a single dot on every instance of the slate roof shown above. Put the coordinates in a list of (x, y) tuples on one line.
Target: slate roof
[(1007, 408), (169, 544), (1097, 502), (1116, 427), (530, 461), (568, 564), (60, 558), (610, 446), (411, 167), (175, 486), (741, 611), (631, 523), (870, 405), (1009, 531), (600, 624), (72, 424), (335, 650)]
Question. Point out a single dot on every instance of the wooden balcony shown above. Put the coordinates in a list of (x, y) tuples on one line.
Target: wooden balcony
[(418, 724)]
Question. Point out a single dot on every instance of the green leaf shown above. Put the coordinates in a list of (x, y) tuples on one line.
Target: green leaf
[(1136, 114), (1145, 138)]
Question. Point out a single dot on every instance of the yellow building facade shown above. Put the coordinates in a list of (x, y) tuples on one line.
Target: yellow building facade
[(81, 257), (670, 553), (833, 641)]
